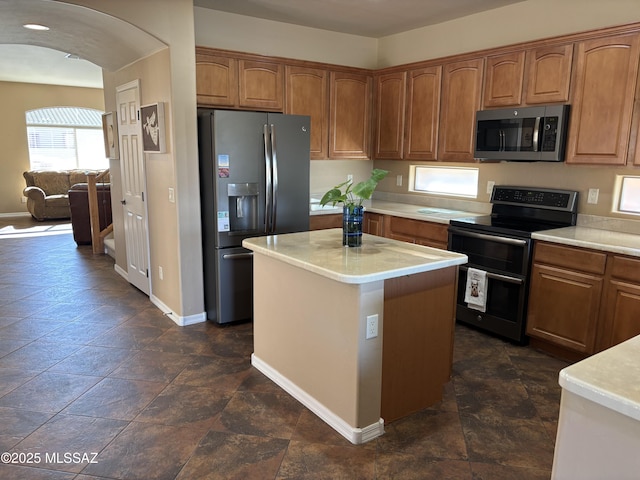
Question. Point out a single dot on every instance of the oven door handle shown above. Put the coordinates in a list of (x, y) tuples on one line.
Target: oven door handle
[(497, 276), (492, 238)]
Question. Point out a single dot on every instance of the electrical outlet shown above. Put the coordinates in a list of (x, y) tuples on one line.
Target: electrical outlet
[(593, 195), (23, 199), (490, 185), (399, 180), (372, 326), (160, 273), (172, 195)]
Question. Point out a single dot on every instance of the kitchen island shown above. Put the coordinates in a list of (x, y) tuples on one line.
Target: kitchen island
[(361, 335), (599, 425)]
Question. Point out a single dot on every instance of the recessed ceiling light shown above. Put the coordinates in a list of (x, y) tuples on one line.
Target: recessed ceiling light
[(35, 26)]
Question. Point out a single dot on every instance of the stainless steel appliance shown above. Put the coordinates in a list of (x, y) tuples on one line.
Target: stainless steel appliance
[(254, 180), (501, 245), (522, 134)]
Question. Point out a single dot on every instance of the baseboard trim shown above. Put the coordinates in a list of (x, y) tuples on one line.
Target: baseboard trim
[(121, 271), (15, 214), (178, 319), (353, 434)]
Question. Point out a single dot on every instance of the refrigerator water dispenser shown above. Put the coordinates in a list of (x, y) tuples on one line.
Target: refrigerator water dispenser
[(243, 207)]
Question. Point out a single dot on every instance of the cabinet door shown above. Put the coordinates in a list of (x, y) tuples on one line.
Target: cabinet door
[(548, 73), (216, 79), (564, 307), (261, 84), (503, 80), (307, 93), (373, 224), (461, 93), (423, 111), (601, 110), (621, 312), (390, 100), (349, 115)]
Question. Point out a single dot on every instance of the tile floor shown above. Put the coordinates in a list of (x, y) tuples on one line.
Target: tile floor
[(95, 383)]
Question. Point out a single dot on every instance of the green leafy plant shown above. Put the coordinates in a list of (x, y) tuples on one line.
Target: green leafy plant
[(353, 195)]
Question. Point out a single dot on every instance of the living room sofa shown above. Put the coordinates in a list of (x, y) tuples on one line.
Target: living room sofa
[(47, 192)]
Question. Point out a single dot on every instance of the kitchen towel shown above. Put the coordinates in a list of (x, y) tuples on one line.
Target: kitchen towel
[(475, 294)]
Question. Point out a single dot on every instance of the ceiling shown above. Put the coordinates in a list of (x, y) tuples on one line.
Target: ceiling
[(39, 57), (368, 18)]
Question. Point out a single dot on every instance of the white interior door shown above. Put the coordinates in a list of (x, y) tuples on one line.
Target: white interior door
[(133, 185)]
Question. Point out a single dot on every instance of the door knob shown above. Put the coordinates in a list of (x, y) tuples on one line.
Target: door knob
[(123, 202)]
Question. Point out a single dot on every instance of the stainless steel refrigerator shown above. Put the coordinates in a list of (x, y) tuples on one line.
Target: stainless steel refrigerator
[(254, 180)]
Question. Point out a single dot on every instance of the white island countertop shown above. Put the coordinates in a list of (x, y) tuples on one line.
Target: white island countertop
[(610, 378), (378, 258)]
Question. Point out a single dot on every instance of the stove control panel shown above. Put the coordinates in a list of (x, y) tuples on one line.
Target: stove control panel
[(565, 200)]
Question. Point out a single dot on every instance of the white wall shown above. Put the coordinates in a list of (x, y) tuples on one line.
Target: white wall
[(520, 22), (265, 37)]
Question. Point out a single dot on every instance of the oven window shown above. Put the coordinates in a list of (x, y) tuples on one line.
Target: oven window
[(494, 255)]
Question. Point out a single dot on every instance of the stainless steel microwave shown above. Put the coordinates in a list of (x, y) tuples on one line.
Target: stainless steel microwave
[(522, 134)]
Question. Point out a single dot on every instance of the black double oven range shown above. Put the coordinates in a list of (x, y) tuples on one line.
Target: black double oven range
[(500, 244)]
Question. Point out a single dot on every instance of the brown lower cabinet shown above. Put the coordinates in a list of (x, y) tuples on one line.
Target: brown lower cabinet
[(321, 222), (422, 232), (582, 301)]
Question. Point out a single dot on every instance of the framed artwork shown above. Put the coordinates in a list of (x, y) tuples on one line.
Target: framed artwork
[(110, 133), (153, 134)]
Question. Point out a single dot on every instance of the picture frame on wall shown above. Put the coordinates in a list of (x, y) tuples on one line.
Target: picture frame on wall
[(110, 133), (153, 133)]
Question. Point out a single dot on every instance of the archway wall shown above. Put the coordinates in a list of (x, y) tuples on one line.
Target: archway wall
[(167, 76)]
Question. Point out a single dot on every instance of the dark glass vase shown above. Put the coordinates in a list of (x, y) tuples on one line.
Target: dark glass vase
[(352, 225)]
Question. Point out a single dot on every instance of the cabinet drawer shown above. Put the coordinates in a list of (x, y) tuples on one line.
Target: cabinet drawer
[(569, 257), (626, 268), (418, 229)]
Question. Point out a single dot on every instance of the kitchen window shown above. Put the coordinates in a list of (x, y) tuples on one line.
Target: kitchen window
[(63, 138), (454, 181), (628, 194)]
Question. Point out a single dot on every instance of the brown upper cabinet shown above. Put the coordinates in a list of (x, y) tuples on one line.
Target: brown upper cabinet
[(548, 73), (407, 114), (541, 75), (602, 101), (422, 113), (227, 81), (461, 99), (307, 93), (261, 85), (390, 102), (350, 115), (503, 80), (216, 79)]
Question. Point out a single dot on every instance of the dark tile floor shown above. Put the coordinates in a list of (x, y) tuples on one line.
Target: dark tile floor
[(96, 383)]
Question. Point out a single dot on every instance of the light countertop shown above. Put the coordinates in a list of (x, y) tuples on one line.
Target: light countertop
[(610, 378), (593, 238), (378, 258), (406, 210)]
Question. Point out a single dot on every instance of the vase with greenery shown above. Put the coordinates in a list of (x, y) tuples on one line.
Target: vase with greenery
[(351, 199)]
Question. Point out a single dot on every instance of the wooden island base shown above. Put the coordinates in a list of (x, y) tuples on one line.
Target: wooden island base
[(417, 348)]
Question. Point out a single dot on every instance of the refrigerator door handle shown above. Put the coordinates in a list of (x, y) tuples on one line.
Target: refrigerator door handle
[(267, 161), (274, 153)]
